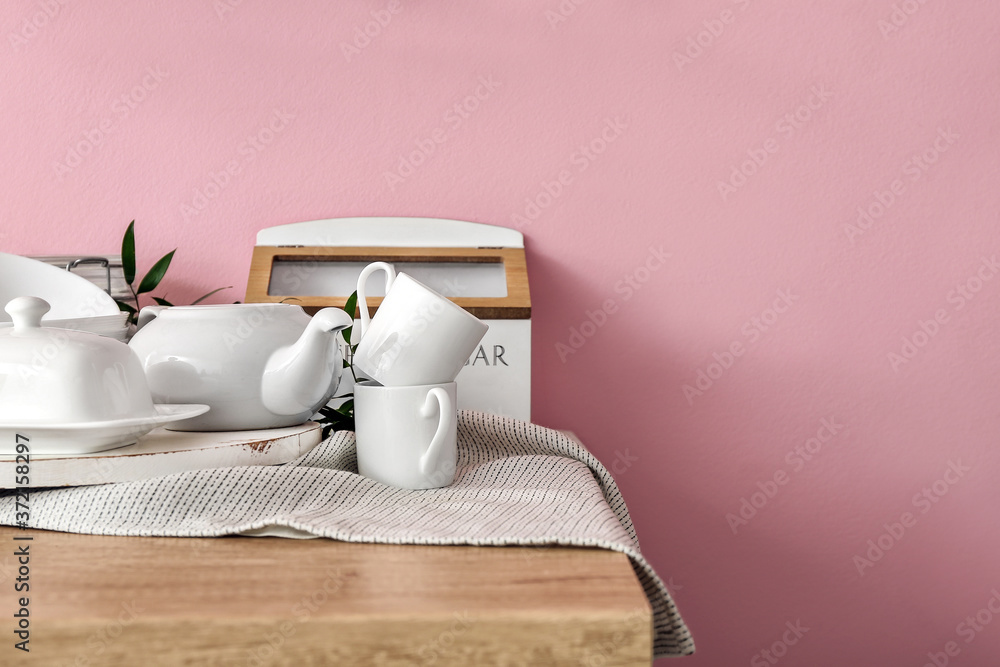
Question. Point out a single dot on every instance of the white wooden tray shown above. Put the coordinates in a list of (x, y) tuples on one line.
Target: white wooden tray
[(163, 452)]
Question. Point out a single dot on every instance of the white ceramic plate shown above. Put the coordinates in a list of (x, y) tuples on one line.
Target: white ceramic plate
[(88, 437), (70, 296)]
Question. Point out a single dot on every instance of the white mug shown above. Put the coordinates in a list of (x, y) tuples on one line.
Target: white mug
[(407, 437), (417, 337)]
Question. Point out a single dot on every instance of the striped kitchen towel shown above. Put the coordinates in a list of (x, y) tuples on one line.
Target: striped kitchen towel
[(516, 484)]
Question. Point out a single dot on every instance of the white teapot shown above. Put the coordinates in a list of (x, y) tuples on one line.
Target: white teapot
[(258, 366)]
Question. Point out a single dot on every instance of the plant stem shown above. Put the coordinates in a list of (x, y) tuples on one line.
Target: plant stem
[(134, 317)]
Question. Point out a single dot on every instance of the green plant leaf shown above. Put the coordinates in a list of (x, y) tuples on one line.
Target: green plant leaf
[(133, 314), (350, 308), (215, 291), (335, 421), (162, 302), (338, 419), (128, 253), (152, 279), (125, 307)]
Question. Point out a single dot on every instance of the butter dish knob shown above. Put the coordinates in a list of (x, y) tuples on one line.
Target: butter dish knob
[(27, 311)]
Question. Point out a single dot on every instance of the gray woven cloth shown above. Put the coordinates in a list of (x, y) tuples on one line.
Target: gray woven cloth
[(517, 484)]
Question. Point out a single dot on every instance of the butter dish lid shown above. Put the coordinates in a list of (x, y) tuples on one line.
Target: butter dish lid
[(59, 376)]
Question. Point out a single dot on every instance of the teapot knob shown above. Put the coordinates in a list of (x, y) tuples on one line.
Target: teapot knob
[(27, 311)]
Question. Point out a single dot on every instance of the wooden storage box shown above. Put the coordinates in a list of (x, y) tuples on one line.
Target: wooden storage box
[(479, 267)]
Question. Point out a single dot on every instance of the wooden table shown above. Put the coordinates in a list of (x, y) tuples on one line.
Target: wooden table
[(270, 601)]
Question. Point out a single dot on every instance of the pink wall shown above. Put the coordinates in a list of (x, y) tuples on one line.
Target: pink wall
[(890, 107)]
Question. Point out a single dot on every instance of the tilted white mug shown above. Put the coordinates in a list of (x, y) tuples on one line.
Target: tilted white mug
[(407, 437), (417, 336)]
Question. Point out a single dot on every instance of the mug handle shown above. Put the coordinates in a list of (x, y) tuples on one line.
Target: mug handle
[(446, 422), (390, 275)]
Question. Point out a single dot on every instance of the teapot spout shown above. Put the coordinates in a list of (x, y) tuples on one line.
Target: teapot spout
[(303, 376)]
